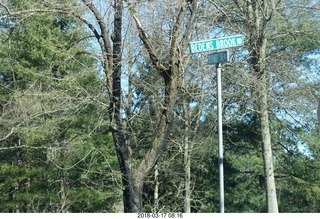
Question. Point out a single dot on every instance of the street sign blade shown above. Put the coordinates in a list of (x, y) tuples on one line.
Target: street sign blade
[(218, 57), (214, 44)]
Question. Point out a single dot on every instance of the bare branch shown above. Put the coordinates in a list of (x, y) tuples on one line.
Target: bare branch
[(22, 146), (145, 38), (73, 165), (102, 25), (8, 135), (175, 29), (5, 7), (31, 12), (221, 10)]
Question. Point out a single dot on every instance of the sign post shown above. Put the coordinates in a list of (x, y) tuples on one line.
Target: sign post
[(220, 139), (216, 59)]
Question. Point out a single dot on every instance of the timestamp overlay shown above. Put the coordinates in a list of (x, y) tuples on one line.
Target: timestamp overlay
[(155, 215), (160, 215), (218, 215)]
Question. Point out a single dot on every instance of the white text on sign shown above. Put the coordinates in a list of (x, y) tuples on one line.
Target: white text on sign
[(220, 43)]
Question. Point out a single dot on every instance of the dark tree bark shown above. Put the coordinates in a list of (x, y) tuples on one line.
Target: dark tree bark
[(133, 179), (172, 76)]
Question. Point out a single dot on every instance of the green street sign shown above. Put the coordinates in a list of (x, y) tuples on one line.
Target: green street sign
[(214, 44), (218, 57)]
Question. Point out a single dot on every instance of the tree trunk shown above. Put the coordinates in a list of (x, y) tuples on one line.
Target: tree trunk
[(191, 124), (187, 173), (258, 16), (63, 182), (156, 189), (133, 180), (132, 196), (271, 196), (132, 188), (172, 76), (318, 112), (63, 191), (262, 105)]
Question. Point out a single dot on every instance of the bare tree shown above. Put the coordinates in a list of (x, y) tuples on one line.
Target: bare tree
[(170, 68)]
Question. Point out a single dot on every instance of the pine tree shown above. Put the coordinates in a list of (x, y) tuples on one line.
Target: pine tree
[(55, 149)]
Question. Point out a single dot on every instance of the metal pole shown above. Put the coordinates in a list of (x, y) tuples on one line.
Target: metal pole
[(220, 139)]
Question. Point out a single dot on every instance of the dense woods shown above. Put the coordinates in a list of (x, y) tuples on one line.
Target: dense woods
[(104, 109)]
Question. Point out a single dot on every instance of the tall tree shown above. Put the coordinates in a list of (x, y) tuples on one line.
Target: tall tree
[(262, 24), (170, 67), (111, 44), (258, 14)]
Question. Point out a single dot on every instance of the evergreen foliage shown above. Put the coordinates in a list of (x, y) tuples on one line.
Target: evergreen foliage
[(58, 156)]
